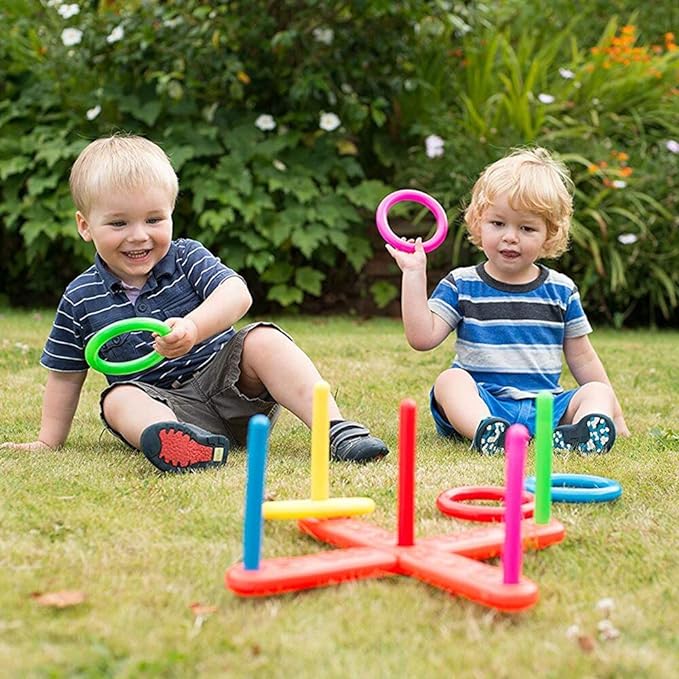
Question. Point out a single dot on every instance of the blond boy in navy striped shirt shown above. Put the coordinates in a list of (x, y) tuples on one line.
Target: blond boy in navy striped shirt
[(188, 411)]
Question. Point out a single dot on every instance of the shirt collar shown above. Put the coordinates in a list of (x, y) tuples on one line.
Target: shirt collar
[(165, 267)]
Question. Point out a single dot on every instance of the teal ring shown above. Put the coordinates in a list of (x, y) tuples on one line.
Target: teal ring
[(120, 328), (580, 488)]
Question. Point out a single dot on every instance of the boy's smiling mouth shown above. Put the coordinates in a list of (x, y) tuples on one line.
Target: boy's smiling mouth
[(136, 254)]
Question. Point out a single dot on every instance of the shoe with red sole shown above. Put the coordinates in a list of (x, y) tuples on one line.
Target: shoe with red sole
[(182, 447)]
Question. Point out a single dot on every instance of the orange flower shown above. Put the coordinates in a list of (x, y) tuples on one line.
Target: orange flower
[(626, 171), (628, 30), (592, 168), (622, 156)]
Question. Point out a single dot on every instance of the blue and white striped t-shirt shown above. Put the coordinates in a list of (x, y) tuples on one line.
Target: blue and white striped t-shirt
[(510, 337), (181, 281)]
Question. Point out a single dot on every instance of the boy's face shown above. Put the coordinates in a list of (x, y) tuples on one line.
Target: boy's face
[(512, 240), (131, 231)]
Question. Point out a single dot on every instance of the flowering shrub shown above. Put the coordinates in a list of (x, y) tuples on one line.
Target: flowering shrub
[(268, 116), (287, 126), (609, 111)]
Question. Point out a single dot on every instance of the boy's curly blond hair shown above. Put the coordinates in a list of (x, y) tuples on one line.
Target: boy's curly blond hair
[(533, 181), (120, 163)]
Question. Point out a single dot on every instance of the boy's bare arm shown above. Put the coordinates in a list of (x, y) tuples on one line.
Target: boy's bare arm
[(423, 329), (586, 366), (59, 403), (222, 308)]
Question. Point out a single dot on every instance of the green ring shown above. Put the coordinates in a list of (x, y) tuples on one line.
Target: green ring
[(120, 328)]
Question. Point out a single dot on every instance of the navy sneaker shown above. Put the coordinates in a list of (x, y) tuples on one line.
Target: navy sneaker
[(352, 442), (489, 438), (592, 434), (180, 447)]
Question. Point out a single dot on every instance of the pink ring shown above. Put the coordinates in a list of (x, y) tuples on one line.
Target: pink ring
[(417, 197), (450, 502)]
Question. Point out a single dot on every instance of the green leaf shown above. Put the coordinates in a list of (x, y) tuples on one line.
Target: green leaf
[(358, 252), (217, 219), (259, 261), (383, 293), (285, 295), (278, 272), (367, 194), (14, 165), (309, 280), (37, 184), (307, 239)]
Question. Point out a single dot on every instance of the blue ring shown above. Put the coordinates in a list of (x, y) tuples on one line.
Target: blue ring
[(580, 488)]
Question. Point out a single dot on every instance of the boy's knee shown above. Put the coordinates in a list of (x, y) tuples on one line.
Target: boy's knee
[(598, 390), (262, 339), (451, 377), (116, 396)]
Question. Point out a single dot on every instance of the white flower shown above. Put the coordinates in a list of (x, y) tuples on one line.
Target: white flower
[(93, 112), (619, 184), (54, 3), (324, 35), (546, 98), (573, 632), (607, 604), (566, 73), (71, 36), (116, 34), (434, 146), (265, 122), (608, 634), (672, 145), (329, 122), (68, 11), (280, 165), (625, 239)]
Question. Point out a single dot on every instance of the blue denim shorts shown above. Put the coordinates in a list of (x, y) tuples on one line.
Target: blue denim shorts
[(515, 411)]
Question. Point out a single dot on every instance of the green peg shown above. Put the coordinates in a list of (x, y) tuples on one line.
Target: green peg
[(543, 457)]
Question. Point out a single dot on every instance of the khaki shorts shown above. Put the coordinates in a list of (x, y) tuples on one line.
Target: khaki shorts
[(211, 398)]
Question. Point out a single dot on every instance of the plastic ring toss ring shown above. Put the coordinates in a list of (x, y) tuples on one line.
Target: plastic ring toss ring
[(580, 488), (120, 328), (425, 199), (451, 502)]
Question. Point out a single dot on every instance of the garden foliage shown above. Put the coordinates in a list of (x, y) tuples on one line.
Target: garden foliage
[(288, 121)]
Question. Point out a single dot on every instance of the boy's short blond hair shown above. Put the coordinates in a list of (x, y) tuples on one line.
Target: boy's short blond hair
[(534, 182), (120, 162)]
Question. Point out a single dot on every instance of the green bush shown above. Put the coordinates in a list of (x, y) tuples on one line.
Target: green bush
[(289, 121), (609, 111), (269, 112)]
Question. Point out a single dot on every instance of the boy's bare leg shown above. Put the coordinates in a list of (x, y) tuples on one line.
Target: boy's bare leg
[(271, 361), (456, 393), (593, 397), (130, 410)]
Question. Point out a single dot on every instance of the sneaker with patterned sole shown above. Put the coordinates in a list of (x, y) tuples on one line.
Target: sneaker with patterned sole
[(490, 436), (592, 434), (180, 447)]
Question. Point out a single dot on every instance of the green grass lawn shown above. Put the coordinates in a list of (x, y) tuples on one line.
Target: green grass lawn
[(97, 518)]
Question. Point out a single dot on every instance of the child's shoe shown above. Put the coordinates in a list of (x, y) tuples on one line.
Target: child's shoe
[(490, 436), (179, 447), (592, 434), (350, 441)]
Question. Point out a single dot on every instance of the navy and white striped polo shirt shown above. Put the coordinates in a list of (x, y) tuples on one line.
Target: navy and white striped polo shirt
[(510, 337), (181, 281)]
